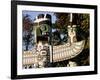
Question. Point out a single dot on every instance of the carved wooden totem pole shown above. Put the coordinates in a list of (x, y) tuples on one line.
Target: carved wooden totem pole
[(44, 54)]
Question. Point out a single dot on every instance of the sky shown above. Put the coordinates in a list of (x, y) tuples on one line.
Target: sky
[(33, 14)]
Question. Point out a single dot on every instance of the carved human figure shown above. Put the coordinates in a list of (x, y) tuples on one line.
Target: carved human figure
[(72, 33)]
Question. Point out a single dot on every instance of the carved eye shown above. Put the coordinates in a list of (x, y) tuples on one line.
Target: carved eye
[(44, 27), (40, 57), (43, 52)]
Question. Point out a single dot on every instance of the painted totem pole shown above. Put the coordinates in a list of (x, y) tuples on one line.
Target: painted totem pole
[(44, 54)]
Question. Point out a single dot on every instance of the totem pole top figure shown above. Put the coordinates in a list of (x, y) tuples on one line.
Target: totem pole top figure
[(42, 17)]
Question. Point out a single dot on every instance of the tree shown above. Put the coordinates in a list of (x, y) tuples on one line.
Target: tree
[(83, 24), (27, 29), (81, 20), (62, 20)]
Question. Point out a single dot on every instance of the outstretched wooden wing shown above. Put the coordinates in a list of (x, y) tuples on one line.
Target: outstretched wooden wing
[(66, 51)]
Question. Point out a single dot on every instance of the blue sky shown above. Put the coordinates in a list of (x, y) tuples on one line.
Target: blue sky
[(33, 14)]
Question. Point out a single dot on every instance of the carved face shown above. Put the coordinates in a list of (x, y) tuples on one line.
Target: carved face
[(44, 28), (71, 31), (39, 46)]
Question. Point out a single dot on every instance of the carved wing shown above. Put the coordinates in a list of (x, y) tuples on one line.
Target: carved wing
[(66, 51)]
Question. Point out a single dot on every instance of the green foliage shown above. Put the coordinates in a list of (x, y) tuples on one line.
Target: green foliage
[(62, 20)]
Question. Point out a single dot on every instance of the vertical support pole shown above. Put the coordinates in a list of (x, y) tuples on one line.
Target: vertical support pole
[(71, 17), (35, 35)]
